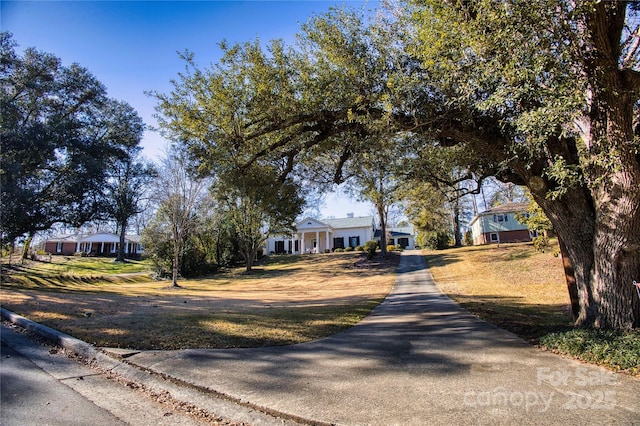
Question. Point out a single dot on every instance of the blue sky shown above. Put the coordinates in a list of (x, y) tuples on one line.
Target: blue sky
[(131, 46)]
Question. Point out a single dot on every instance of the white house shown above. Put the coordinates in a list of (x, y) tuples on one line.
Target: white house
[(323, 235), (99, 244), (403, 236), (499, 225)]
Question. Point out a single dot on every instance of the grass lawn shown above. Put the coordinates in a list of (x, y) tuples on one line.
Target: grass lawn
[(524, 291), (512, 286), (287, 299)]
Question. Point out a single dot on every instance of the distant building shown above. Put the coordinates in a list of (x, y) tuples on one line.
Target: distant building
[(403, 236), (499, 225), (99, 244), (321, 235), (326, 235)]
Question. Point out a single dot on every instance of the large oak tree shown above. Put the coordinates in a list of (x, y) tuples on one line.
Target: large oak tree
[(60, 136), (539, 93)]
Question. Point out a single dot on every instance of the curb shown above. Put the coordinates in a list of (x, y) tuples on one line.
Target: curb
[(78, 346)]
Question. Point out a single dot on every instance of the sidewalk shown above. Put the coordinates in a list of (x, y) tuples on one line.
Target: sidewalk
[(417, 359)]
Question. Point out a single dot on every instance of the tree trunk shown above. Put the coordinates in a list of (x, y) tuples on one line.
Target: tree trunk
[(383, 229), (120, 257), (602, 242), (249, 254), (457, 235), (613, 174), (176, 262), (570, 277), (27, 246), (177, 242)]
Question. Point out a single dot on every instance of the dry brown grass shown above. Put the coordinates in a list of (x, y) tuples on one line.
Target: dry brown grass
[(288, 299), (512, 286)]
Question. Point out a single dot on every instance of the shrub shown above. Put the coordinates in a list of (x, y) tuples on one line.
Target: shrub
[(348, 249), (437, 240), (468, 238), (370, 245), (540, 243), (391, 248), (338, 250), (359, 248), (193, 263)]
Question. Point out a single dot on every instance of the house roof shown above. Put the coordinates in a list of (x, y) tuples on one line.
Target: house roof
[(97, 237), (502, 208), (349, 222), (394, 233), (507, 208)]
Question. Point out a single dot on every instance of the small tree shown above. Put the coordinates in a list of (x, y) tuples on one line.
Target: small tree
[(536, 221), (178, 190), (124, 192)]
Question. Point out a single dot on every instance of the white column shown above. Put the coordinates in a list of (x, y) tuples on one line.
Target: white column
[(302, 244), (77, 246), (317, 241), (327, 240), (293, 244), (102, 247)]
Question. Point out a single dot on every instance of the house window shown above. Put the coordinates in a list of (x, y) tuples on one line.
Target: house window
[(279, 247), (59, 247), (500, 218), (354, 241), (404, 242), (338, 242), (494, 237)]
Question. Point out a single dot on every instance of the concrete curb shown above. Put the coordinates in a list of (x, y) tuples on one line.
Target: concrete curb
[(77, 346)]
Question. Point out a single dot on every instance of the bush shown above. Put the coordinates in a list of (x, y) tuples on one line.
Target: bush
[(370, 245), (540, 243), (468, 238), (338, 250), (437, 240), (359, 248), (194, 264), (348, 249), (391, 248)]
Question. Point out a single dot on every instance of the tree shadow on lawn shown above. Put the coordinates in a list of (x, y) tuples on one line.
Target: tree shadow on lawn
[(144, 323), (530, 322), (62, 283)]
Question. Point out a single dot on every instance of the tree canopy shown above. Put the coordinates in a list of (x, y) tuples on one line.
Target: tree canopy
[(543, 94), (60, 135)]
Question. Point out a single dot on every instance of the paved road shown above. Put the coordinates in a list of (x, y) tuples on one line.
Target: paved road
[(42, 388), (417, 359)]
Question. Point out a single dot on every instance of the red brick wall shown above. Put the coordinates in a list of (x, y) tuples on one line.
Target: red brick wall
[(509, 236), (67, 248)]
